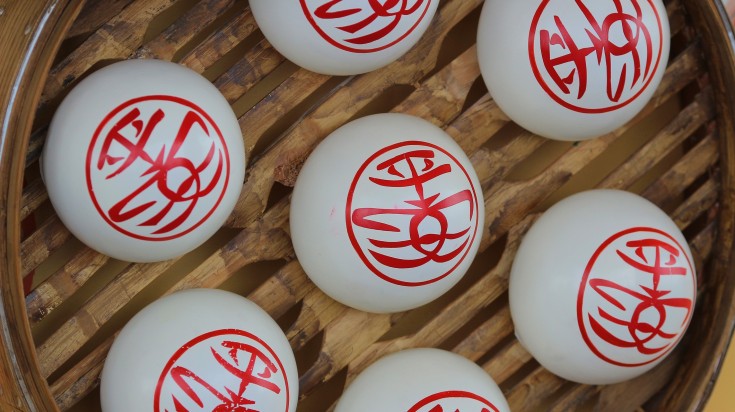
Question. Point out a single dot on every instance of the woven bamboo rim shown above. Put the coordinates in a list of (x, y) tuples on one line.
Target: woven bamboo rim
[(54, 340)]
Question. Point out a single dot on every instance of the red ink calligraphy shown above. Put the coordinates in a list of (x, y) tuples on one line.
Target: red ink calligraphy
[(595, 56), (157, 167), (412, 213), (454, 401), (365, 26), (635, 325), (223, 370)]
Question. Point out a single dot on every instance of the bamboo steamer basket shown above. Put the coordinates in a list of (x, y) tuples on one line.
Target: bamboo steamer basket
[(678, 152)]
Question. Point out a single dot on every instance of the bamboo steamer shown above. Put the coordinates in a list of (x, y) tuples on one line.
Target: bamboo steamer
[(678, 153)]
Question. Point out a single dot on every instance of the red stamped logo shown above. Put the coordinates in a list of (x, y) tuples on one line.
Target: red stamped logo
[(365, 26), (454, 401), (595, 56), (223, 370), (634, 326), (412, 213), (157, 167)]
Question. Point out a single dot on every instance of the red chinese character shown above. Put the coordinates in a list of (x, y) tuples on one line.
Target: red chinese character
[(162, 165), (642, 322), (454, 401), (224, 370), (365, 26), (423, 223), (595, 57)]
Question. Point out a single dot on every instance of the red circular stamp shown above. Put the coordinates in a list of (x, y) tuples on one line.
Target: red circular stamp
[(412, 213), (636, 297), (595, 56), (365, 26), (223, 370), (157, 167), (454, 401)]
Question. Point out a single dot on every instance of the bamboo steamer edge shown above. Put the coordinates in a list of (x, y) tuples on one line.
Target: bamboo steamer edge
[(33, 33)]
